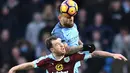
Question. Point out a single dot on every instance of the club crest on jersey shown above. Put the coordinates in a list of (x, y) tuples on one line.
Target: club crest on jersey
[(66, 59), (59, 67)]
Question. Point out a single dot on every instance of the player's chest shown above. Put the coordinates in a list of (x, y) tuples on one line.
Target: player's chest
[(64, 66), (70, 32), (71, 35)]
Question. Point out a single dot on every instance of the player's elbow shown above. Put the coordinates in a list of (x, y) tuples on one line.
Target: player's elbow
[(30, 65), (95, 53)]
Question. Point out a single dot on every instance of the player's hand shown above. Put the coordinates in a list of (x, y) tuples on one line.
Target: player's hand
[(119, 57), (89, 47)]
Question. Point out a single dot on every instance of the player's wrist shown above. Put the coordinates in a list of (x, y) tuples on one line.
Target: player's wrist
[(89, 47), (113, 55)]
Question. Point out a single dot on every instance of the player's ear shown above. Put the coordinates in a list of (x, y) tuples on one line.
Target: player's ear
[(51, 49), (59, 17)]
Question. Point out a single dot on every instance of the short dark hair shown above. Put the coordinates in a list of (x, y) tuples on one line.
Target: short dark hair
[(49, 41)]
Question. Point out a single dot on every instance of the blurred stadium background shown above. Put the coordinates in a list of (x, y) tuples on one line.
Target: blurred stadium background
[(25, 24)]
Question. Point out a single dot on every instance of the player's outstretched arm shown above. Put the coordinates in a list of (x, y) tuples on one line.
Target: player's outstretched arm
[(107, 54), (24, 66)]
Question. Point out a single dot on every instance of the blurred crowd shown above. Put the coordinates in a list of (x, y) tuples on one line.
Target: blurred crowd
[(25, 24)]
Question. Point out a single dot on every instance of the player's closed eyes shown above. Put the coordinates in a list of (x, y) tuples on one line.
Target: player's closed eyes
[(57, 44)]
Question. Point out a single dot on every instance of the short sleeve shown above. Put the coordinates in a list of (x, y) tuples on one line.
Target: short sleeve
[(58, 33), (39, 62), (87, 55), (75, 25)]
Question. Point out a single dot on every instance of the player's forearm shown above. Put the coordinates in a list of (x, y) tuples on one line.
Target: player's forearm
[(24, 66), (75, 49), (102, 54)]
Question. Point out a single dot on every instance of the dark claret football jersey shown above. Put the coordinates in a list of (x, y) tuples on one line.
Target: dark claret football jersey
[(66, 65)]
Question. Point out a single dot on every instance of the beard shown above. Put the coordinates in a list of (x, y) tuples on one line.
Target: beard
[(69, 24), (60, 53)]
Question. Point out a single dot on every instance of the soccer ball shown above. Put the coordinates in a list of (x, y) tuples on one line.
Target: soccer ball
[(69, 8)]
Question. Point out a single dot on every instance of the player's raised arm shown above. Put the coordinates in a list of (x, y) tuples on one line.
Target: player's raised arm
[(74, 49), (107, 54), (24, 66), (80, 47)]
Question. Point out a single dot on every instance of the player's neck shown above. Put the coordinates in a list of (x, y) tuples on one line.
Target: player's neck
[(58, 57)]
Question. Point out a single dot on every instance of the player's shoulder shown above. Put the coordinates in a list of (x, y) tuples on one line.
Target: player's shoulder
[(57, 31), (75, 25), (45, 58), (57, 28)]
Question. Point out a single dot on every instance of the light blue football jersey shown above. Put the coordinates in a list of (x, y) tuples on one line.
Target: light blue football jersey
[(69, 35)]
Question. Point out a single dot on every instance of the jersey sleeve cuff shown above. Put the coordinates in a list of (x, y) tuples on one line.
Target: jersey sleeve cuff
[(35, 64), (87, 55)]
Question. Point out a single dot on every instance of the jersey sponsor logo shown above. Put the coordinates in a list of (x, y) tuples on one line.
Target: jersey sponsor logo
[(59, 67), (66, 59), (61, 72)]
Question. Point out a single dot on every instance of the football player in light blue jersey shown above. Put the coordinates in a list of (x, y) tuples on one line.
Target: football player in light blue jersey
[(67, 30)]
